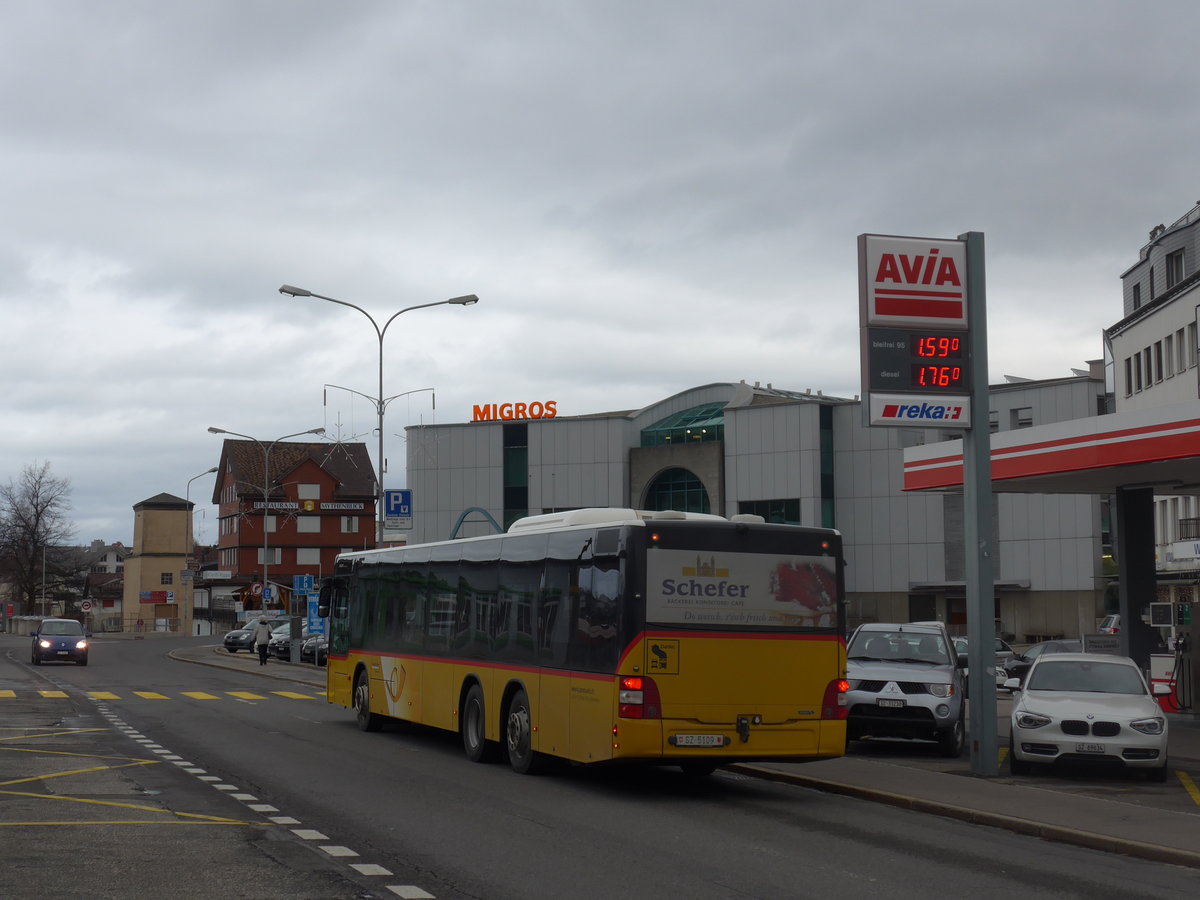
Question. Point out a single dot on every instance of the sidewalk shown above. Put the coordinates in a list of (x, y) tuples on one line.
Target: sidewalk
[(1114, 826)]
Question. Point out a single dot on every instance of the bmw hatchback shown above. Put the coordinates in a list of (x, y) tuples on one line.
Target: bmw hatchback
[(60, 640)]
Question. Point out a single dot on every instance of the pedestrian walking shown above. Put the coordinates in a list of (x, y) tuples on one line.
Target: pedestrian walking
[(262, 636)]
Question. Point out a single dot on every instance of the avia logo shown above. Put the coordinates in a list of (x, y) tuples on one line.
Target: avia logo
[(899, 268), (921, 411)]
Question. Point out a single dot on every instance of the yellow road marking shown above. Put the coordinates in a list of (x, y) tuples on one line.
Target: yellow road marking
[(1190, 786), (200, 695), (53, 694), (46, 777), (88, 801), (151, 695), (109, 824), (8, 695), (292, 695), (245, 695), (102, 695), (21, 737)]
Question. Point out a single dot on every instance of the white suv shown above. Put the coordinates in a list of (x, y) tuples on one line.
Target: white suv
[(905, 682)]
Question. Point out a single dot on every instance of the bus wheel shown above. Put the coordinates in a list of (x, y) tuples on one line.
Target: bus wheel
[(521, 755), (473, 727), (367, 720)]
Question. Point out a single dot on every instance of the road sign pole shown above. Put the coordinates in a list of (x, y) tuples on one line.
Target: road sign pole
[(977, 514)]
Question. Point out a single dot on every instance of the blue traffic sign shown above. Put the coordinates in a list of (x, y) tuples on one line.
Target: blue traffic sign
[(397, 504)]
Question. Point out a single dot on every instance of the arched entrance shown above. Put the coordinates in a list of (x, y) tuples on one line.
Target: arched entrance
[(677, 488)]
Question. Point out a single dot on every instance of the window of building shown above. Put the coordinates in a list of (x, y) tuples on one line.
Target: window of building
[(308, 491), (274, 553), (677, 489), (994, 420), (698, 424), (1147, 371), (308, 556), (1169, 359), (349, 524), (783, 512), (1137, 296), (166, 578), (1158, 361), (270, 526), (1180, 352), (1022, 417), (1174, 268), (1191, 338), (308, 524), (1137, 371), (1128, 376), (1152, 282)]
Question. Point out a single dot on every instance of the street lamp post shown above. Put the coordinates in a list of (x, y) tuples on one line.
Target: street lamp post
[(189, 543), (379, 401), (266, 449)]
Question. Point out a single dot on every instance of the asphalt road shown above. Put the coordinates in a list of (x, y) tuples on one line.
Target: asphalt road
[(149, 777)]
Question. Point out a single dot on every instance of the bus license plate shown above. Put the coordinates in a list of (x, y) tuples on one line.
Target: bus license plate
[(699, 740), (1089, 748), (892, 703)]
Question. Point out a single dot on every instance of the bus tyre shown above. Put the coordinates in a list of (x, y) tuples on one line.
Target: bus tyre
[(519, 736), (473, 725), (367, 720)]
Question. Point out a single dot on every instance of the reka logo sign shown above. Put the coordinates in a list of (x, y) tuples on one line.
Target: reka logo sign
[(914, 281)]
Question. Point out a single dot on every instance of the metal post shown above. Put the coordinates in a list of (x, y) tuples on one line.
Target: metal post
[(189, 544), (977, 510)]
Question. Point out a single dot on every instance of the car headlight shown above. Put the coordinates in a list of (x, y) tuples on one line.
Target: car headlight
[(45, 645), (82, 645), (1031, 720), (1153, 725), (940, 690)]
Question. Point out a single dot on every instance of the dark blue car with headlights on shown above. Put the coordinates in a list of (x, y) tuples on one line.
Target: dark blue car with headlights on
[(60, 640)]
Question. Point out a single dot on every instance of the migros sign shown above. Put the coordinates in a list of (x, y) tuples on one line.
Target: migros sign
[(507, 412)]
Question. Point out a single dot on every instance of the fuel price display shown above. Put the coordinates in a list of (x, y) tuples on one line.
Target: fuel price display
[(917, 361)]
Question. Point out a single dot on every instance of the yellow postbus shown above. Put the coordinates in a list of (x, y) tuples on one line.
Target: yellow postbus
[(601, 636)]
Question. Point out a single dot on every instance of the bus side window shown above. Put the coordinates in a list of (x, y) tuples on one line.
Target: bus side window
[(334, 599)]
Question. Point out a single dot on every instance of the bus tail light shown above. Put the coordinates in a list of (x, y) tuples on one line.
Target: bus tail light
[(833, 706), (638, 698)]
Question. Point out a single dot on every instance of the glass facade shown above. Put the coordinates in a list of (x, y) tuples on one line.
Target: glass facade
[(700, 423), (680, 490)]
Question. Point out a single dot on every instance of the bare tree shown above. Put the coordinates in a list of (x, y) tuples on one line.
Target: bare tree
[(33, 523)]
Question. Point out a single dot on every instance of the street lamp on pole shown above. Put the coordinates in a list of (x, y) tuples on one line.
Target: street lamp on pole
[(189, 543), (266, 449), (379, 401)]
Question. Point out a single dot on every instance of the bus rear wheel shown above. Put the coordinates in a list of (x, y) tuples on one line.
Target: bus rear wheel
[(519, 736), (367, 720), (473, 725)]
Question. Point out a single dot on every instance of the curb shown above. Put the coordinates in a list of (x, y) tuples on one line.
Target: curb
[(1057, 833), (178, 657)]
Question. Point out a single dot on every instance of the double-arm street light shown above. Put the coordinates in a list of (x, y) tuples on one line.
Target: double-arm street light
[(266, 449), (191, 545), (380, 401)]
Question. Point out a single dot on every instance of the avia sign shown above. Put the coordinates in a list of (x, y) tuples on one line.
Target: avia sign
[(508, 412), (913, 281)]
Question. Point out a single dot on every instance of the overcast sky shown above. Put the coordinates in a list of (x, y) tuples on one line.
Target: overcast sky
[(647, 196)]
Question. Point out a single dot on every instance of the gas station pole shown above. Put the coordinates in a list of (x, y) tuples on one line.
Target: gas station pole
[(977, 515)]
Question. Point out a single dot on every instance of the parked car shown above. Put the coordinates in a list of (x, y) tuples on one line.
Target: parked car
[(1087, 708), (1003, 652), (280, 645), (1110, 625), (905, 682), (242, 638), (315, 650), (60, 640), (1020, 663)]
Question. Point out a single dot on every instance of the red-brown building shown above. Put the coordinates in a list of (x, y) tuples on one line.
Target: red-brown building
[(319, 501)]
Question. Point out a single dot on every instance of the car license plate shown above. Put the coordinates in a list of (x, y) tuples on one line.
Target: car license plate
[(63, 652), (892, 703), (699, 740), (1089, 748)]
